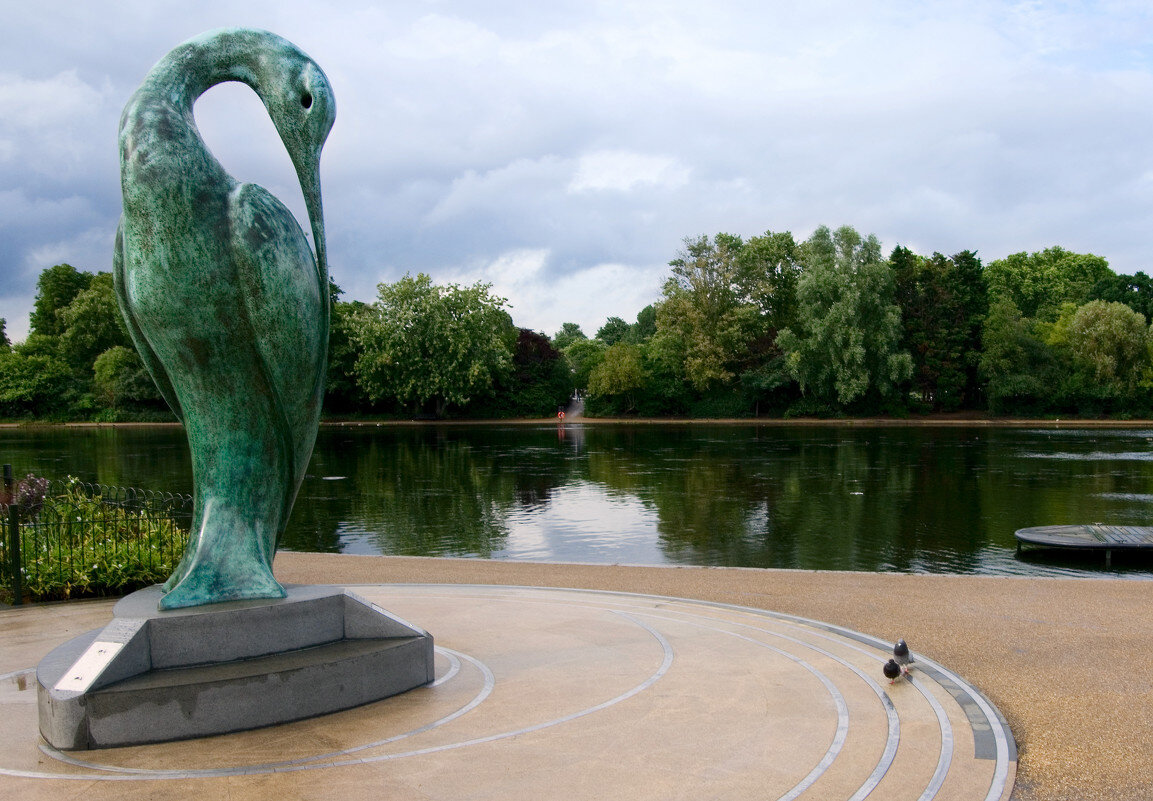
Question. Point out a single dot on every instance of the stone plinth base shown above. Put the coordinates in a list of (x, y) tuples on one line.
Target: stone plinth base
[(151, 676)]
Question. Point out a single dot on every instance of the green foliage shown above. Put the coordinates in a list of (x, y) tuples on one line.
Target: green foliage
[(79, 546), (424, 344), (1019, 371), (619, 376), (613, 331), (1110, 343), (1135, 291), (645, 326), (121, 381), (943, 304), (568, 334), (583, 356), (55, 289), (705, 304), (539, 383), (845, 346), (343, 393), (34, 385), (5, 345), (92, 324), (769, 269), (1038, 283)]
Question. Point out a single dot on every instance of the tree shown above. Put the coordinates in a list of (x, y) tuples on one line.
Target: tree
[(1038, 283), (705, 306), (1110, 343), (942, 303), (613, 331), (1135, 291), (426, 344), (620, 375), (645, 326), (34, 385), (55, 289), (539, 382), (5, 345), (768, 273), (342, 391), (1018, 369), (568, 334), (845, 345), (91, 324), (583, 356), (121, 380)]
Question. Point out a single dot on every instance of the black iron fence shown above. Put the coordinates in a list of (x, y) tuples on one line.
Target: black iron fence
[(66, 539)]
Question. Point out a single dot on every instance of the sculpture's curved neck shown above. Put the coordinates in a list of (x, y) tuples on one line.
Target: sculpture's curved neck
[(199, 64)]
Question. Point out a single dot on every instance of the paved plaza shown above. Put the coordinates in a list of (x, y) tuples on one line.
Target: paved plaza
[(595, 691)]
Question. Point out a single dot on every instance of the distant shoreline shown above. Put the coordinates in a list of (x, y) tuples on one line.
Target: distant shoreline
[(960, 420)]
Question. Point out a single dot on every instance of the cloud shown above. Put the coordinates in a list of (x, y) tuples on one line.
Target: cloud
[(542, 299), (564, 150), (621, 170)]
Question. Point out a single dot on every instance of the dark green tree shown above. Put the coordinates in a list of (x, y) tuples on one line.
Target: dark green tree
[(539, 383), (1135, 291), (568, 334), (705, 306), (769, 269), (121, 382), (613, 331), (55, 289), (342, 392), (619, 377), (91, 324), (645, 326), (1020, 371), (942, 308), (5, 345), (33, 384)]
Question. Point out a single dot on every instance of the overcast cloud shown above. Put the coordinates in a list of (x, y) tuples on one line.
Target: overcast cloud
[(562, 151)]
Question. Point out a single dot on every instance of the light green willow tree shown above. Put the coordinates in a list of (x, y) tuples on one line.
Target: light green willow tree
[(845, 344), (426, 344)]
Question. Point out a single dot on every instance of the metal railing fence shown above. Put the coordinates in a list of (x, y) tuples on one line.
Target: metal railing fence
[(70, 538)]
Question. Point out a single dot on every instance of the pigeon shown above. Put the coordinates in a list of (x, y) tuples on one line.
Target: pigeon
[(902, 656), (892, 671)]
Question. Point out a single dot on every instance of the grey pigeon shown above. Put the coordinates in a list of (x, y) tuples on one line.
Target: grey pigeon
[(901, 654)]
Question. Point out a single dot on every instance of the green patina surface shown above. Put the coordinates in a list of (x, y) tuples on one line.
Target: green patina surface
[(226, 301)]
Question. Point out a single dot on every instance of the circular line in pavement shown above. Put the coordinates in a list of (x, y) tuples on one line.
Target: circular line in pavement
[(310, 763)]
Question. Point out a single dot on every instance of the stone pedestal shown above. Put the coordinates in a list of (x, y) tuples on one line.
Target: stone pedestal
[(151, 676)]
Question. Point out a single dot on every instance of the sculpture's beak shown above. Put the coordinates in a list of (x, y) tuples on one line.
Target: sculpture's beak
[(309, 175)]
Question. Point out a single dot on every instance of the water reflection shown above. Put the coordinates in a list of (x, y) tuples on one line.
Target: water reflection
[(842, 498)]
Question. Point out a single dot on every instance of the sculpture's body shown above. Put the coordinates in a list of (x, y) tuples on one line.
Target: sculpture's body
[(226, 302)]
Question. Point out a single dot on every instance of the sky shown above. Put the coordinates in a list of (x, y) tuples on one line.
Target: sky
[(562, 151)]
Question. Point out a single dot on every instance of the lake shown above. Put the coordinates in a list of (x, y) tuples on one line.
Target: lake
[(828, 497)]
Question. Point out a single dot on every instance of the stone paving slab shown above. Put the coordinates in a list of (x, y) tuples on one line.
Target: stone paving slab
[(550, 693)]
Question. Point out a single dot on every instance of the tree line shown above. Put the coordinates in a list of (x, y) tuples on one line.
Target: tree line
[(764, 326)]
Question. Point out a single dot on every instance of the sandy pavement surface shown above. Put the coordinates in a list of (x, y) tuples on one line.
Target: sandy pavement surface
[(1069, 662)]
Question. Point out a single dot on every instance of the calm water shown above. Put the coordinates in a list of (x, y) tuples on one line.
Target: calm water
[(942, 500)]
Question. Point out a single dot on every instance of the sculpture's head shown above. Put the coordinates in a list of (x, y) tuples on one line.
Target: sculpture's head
[(300, 102)]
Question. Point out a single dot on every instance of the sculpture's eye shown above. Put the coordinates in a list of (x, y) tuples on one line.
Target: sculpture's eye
[(306, 99)]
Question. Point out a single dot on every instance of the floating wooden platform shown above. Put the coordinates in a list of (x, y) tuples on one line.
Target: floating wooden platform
[(1088, 536)]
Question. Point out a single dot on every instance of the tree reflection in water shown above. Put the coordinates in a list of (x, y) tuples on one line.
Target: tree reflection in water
[(821, 497)]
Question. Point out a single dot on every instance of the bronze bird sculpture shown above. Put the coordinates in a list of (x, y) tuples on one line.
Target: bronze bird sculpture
[(226, 302)]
